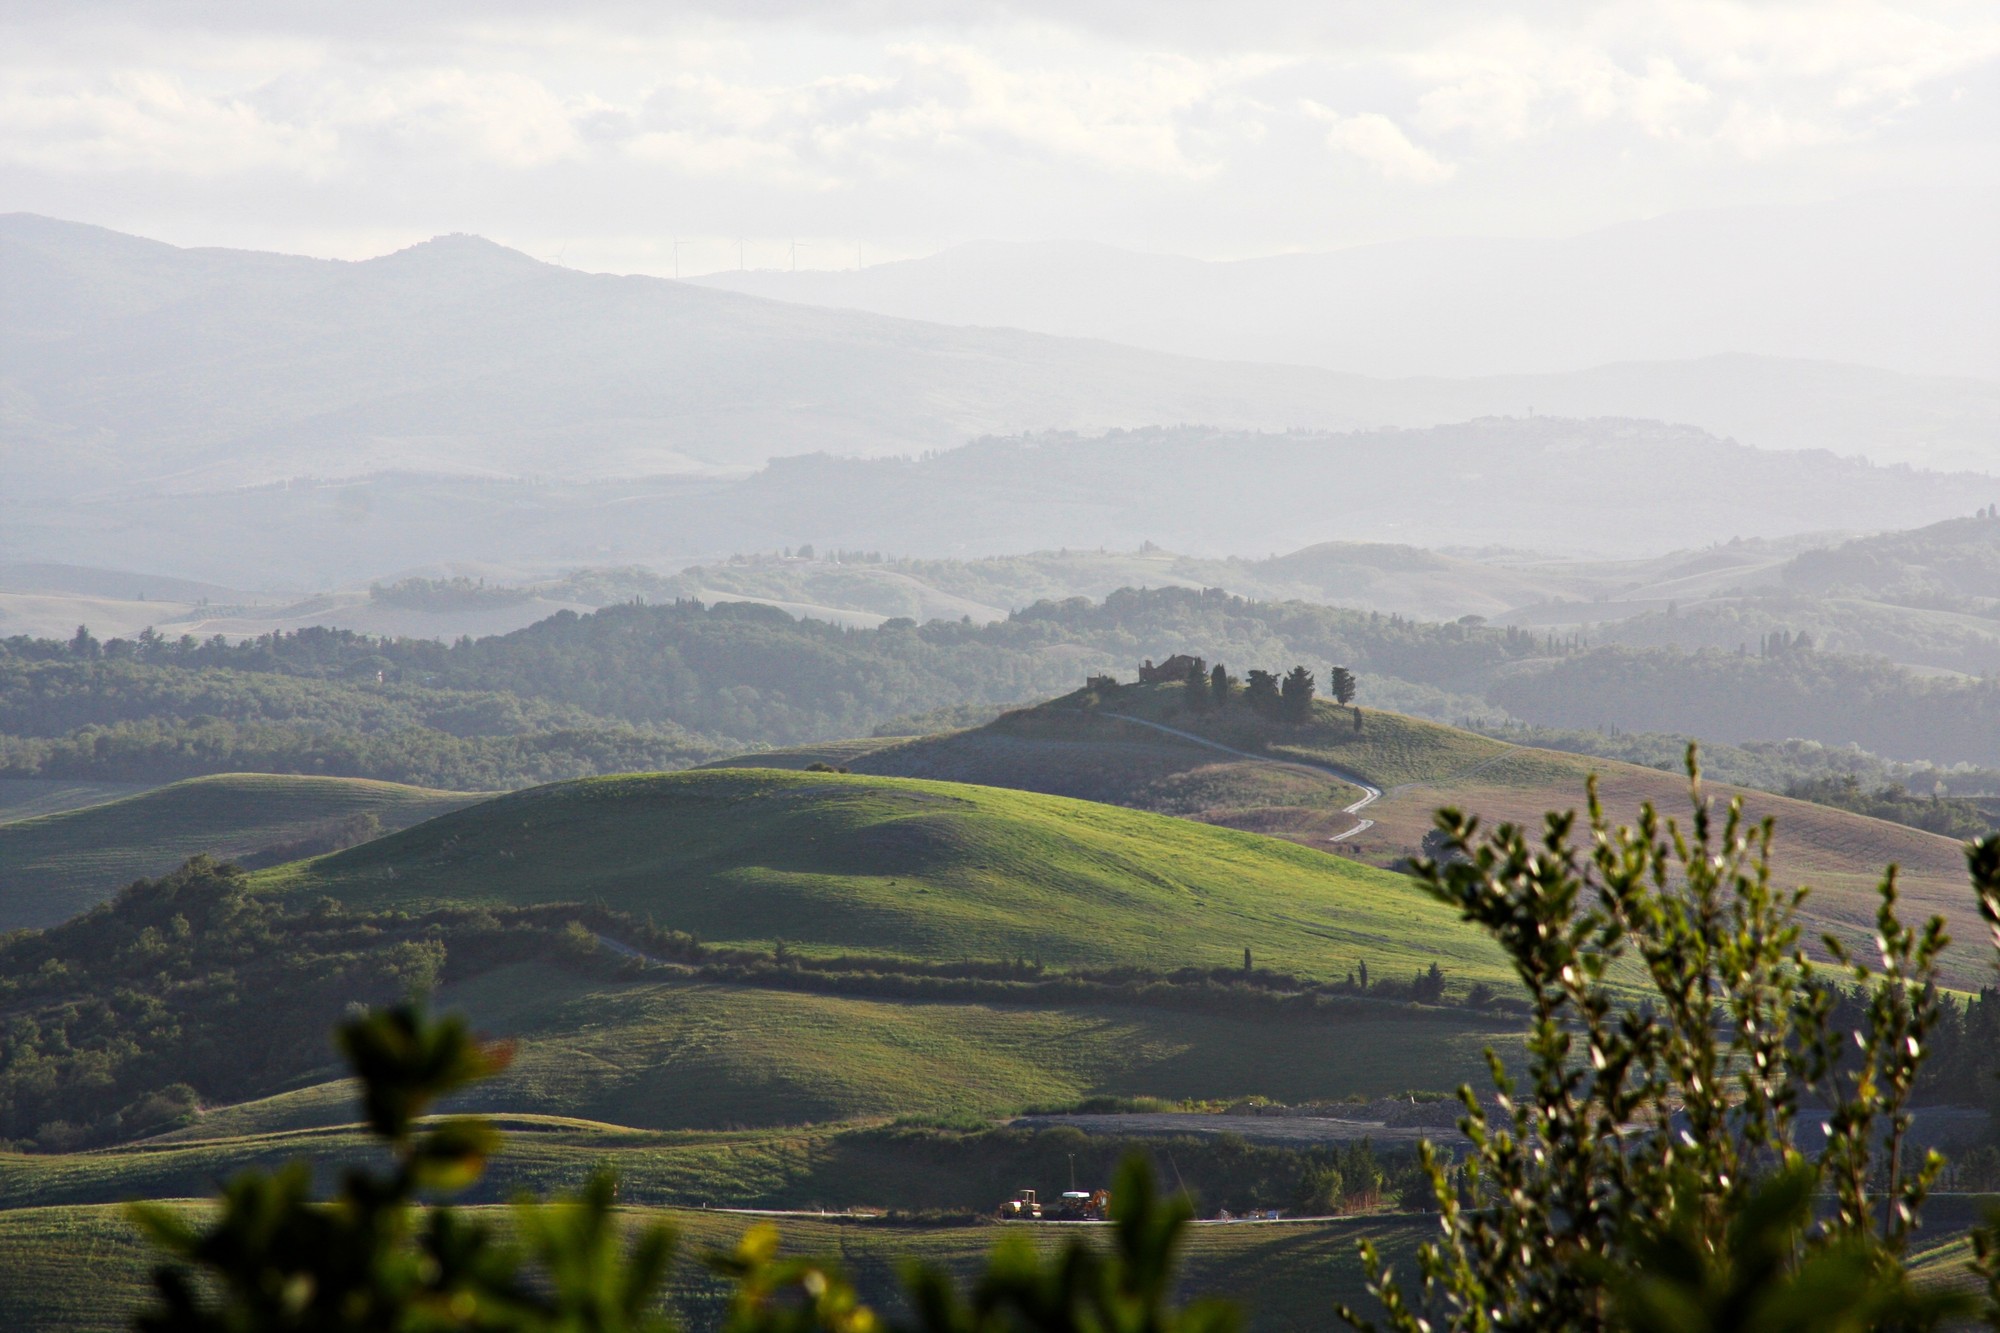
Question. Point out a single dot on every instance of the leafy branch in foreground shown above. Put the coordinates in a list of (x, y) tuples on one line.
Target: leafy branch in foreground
[(385, 1255), (1650, 1174), (372, 1259)]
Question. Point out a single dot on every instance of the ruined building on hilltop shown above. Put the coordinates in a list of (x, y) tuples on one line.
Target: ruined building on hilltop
[(1178, 667)]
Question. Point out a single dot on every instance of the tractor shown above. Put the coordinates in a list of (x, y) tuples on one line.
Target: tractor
[(1083, 1206), (1024, 1206)]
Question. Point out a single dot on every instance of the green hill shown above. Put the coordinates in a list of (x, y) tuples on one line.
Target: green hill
[(664, 1054), (913, 868), (57, 865), (26, 798), (1099, 747), (1236, 768)]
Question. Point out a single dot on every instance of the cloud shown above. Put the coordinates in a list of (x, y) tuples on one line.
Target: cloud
[(1380, 142), (148, 122), (1279, 124)]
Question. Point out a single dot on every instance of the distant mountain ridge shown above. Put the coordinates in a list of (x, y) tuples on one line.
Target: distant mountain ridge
[(1903, 279), (461, 401), (132, 364), (129, 364)]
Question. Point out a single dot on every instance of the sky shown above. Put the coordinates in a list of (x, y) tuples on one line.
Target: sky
[(648, 137)]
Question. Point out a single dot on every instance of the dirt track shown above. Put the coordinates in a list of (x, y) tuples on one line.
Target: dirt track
[(1291, 1130)]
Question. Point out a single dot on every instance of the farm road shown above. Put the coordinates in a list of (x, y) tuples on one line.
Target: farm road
[(1370, 793), (1295, 1131)]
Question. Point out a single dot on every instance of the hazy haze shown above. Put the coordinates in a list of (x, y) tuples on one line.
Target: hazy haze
[(601, 131), (1764, 222), (1903, 279)]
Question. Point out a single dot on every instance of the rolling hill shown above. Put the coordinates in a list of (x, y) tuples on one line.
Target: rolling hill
[(1080, 746), (917, 869), (57, 865), (26, 798), (1390, 577), (779, 1089)]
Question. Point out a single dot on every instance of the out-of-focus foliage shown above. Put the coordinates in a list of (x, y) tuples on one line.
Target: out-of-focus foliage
[(372, 1259), (1646, 1174)]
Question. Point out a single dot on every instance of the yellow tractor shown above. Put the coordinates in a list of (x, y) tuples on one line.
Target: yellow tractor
[(1025, 1206)]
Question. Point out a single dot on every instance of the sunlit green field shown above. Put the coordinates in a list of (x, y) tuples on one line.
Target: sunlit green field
[(930, 870), (55, 866)]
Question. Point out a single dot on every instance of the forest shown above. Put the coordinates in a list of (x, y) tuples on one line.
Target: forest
[(638, 686), (630, 686), (1801, 692)]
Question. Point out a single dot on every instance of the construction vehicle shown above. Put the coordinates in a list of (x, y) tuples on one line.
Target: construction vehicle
[(1025, 1206), (1083, 1206)]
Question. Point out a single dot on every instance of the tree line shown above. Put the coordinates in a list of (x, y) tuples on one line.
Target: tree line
[(1826, 697), (754, 673), (1286, 698)]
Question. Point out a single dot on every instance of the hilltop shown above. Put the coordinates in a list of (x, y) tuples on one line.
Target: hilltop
[(55, 866)]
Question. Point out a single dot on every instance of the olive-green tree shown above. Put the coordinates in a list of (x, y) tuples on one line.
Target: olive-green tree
[(1297, 695), (1194, 692), (1678, 1030)]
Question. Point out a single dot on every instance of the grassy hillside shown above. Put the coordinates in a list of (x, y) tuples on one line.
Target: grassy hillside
[(1082, 745), (755, 1097), (1098, 758), (57, 865), (25, 798), (914, 868), (1422, 766), (83, 1268), (678, 1055)]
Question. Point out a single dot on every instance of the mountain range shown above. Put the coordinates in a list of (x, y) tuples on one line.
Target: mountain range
[(462, 401), (1905, 280)]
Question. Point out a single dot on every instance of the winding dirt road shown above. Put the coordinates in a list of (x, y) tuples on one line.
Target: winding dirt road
[(1370, 793)]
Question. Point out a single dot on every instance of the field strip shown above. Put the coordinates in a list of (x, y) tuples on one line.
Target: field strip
[(881, 1220), (1370, 793), (1463, 773)]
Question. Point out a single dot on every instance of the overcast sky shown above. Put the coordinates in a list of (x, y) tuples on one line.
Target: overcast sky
[(596, 132)]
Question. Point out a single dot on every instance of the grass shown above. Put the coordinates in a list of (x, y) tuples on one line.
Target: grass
[(704, 1093), (58, 865), (679, 1055), (25, 798), (1841, 855), (67, 1269), (85, 1268), (920, 869), (1093, 758), (1075, 745), (610, 1061)]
